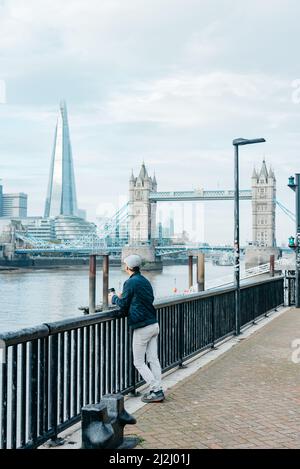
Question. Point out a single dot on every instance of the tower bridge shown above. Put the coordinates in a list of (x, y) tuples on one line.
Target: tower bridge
[(143, 198), (134, 227), (197, 195)]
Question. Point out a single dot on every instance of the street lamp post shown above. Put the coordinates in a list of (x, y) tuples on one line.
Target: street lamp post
[(237, 143), (295, 186), (297, 289)]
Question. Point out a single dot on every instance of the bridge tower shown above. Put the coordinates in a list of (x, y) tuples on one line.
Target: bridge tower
[(263, 207), (142, 220), (142, 213), (263, 217)]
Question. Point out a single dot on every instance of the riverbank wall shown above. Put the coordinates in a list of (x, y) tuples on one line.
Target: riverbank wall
[(65, 262)]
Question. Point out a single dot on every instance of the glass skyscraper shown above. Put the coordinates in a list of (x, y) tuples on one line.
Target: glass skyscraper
[(61, 193)]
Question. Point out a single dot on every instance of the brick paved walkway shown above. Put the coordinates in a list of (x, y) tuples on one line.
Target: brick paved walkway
[(247, 398)]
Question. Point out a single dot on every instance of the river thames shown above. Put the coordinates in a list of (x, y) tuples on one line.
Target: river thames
[(31, 297)]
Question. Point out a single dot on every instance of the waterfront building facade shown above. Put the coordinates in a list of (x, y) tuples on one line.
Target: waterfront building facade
[(40, 228), (73, 228)]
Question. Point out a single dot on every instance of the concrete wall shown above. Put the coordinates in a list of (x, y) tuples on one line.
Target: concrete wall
[(147, 253)]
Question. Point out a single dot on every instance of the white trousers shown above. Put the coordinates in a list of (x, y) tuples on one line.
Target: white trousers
[(144, 342)]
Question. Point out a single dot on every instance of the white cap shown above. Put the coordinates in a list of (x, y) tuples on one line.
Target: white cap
[(132, 261)]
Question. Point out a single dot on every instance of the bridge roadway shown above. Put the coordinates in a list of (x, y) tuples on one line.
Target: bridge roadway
[(116, 251), (86, 250), (187, 196), (244, 394)]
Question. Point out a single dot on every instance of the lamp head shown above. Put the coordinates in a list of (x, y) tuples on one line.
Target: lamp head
[(291, 183), (245, 141), (292, 243)]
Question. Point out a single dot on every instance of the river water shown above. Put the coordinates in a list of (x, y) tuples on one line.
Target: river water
[(31, 297)]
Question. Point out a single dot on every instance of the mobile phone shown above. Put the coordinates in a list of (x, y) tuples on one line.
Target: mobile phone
[(111, 290)]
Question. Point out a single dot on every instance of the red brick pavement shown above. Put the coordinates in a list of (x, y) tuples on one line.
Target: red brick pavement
[(247, 398)]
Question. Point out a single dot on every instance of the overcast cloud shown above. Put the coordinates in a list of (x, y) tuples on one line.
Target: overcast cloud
[(171, 82)]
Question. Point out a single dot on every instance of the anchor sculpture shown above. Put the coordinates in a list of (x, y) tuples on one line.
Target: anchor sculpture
[(103, 424)]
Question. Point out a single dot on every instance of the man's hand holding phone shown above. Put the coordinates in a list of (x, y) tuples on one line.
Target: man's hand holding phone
[(111, 293)]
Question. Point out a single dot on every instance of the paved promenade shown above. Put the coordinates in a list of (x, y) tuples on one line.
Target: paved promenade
[(246, 394), (247, 398)]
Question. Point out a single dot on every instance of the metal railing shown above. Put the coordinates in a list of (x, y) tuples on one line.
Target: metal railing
[(49, 372)]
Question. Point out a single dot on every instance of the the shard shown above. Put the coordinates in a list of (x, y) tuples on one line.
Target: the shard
[(61, 193)]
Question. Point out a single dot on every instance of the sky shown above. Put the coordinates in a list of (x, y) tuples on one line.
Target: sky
[(170, 82)]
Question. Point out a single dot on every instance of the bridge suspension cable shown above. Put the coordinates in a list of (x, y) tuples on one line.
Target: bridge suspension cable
[(285, 210), (115, 223)]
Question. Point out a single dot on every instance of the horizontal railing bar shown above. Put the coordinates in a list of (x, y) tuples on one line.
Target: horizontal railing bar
[(39, 441), (79, 321), (260, 316), (24, 335), (170, 367), (68, 423)]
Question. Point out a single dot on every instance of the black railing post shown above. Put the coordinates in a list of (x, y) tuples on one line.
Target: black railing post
[(181, 336), (253, 306), (213, 323), (3, 364), (41, 402), (14, 396), (23, 416), (46, 384), (33, 390), (75, 371), (133, 381), (267, 308), (53, 395), (297, 273), (132, 369)]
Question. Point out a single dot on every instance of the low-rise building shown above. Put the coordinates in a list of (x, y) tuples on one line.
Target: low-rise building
[(13, 205)]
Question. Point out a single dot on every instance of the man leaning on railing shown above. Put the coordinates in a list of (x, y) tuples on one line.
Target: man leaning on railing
[(136, 302)]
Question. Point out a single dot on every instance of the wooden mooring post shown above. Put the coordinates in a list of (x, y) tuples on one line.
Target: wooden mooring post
[(92, 284), (201, 272), (105, 270), (272, 265), (190, 271)]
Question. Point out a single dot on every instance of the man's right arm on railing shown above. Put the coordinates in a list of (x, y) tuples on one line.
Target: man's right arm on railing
[(123, 300)]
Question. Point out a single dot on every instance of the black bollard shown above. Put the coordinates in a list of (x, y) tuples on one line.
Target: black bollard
[(103, 424), (97, 430)]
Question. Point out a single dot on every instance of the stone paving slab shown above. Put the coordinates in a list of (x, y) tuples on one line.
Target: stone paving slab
[(246, 398)]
